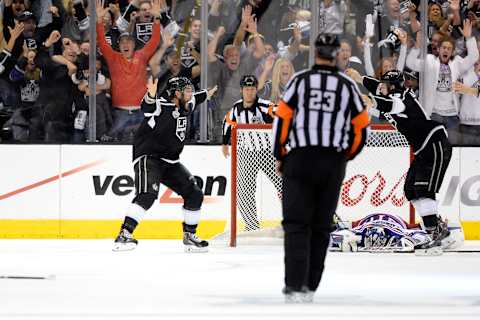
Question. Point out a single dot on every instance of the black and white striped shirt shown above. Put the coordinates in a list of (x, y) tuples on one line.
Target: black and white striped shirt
[(259, 113), (321, 107)]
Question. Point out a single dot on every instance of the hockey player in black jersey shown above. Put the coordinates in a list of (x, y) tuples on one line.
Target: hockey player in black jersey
[(156, 149), (429, 141)]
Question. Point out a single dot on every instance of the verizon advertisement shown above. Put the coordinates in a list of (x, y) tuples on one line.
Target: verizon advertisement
[(97, 182), (105, 190), (71, 182)]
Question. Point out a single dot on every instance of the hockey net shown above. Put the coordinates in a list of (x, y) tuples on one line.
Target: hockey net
[(373, 182)]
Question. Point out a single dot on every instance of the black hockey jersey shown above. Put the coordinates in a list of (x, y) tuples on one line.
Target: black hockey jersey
[(163, 131), (405, 113)]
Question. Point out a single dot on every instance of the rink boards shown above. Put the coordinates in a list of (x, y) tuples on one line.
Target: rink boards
[(82, 191)]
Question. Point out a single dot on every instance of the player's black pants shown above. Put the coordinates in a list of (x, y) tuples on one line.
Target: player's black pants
[(312, 178), (150, 172), (426, 172)]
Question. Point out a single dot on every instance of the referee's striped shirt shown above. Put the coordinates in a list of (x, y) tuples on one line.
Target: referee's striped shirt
[(320, 107), (260, 112)]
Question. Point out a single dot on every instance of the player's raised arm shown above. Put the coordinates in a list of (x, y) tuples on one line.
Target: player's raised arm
[(368, 82), (149, 100)]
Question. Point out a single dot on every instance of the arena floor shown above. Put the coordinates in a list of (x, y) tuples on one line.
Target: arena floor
[(86, 280)]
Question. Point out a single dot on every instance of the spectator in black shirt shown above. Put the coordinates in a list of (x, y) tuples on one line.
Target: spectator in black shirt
[(13, 8), (112, 33), (190, 50), (8, 95), (53, 111), (26, 79), (103, 117), (137, 20), (31, 36), (166, 64)]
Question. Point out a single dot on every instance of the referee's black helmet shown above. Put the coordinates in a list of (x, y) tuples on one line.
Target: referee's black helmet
[(327, 46), (249, 80)]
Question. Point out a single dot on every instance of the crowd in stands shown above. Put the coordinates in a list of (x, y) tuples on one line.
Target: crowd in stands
[(45, 47)]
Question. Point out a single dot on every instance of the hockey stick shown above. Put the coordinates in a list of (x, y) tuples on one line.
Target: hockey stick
[(49, 277)]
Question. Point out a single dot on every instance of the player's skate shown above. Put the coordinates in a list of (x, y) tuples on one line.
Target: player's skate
[(434, 247), (124, 241), (303, 296), (193, 243)]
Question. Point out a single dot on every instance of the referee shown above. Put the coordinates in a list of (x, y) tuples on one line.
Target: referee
[(323, 121), (256, 149)]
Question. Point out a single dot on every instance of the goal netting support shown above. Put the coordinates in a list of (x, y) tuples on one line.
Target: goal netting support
[(373, 181)]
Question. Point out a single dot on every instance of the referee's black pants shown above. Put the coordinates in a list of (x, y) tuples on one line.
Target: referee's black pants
[(312, 178)]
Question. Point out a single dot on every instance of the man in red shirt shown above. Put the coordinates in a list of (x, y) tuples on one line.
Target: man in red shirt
[(128, 70)]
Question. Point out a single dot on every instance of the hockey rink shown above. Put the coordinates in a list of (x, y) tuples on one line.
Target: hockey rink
[(86, 280)]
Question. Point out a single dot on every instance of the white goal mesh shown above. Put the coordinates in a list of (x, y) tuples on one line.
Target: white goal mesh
[(373, 182)]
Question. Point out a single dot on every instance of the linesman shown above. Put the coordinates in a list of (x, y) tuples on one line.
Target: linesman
[(323, 120), (255, 149)]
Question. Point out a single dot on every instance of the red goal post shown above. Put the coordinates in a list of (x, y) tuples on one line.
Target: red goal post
[(373, 182)]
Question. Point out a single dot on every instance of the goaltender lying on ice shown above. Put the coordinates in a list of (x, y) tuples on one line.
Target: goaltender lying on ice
[(381, 232)]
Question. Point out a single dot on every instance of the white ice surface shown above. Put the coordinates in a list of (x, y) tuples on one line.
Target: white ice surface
[(159, 281)]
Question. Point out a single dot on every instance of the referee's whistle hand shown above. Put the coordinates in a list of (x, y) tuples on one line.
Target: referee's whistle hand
[(367, 101), (278, 167)]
